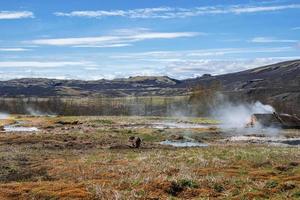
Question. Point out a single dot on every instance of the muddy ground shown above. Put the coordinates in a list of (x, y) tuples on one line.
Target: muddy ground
[(89, 158)]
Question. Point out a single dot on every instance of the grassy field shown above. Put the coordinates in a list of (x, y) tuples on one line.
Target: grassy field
[(78, 106), (87, 158)]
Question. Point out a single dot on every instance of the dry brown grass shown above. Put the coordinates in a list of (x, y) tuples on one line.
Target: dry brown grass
[(74, 164)]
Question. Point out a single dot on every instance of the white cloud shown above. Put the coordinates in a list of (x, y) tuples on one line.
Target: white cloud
[(271, 40), (15, 14), (296, 28), (103, 46), (39, 64), (14, 49), (239, 10), (192, 54), (115, 40), (91, 68), (179, 68), (99, 13), (193, 68), (172, 12), (191, 63)]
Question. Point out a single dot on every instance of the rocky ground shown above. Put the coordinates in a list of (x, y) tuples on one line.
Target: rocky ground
[(90, 158)]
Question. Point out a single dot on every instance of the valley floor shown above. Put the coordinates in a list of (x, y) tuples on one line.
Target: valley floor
[(89, 158)]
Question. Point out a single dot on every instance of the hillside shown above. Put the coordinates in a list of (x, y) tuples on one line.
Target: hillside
[(284, 75), (140, 86), (276, 84)]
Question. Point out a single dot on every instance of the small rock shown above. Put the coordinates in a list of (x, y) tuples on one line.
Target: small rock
[(134, 142), (293, 164), (49, 127), (288, 186), (282, 168), (177, 137)]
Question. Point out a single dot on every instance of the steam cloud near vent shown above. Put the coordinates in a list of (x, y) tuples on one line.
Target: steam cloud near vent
[(4, 116), (238, 115)]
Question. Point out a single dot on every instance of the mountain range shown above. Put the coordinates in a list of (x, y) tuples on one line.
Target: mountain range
[(277, 84)]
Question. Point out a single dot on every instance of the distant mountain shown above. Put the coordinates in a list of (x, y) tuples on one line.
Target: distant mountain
[(284, 75), (139, 85), (277, 84)]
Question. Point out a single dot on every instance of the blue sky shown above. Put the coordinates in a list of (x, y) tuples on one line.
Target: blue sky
[(92, 39)]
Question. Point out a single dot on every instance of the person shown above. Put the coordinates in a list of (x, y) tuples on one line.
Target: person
[(252, 122)]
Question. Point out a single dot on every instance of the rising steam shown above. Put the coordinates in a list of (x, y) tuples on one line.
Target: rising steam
[(35, 112), (238, 115), (4, 116)]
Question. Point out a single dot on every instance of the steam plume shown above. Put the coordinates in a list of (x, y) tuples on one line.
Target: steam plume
[(3, 116), (237, 115)]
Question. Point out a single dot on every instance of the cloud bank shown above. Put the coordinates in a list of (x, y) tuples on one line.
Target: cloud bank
[(16, 14), (119, 39), (271, 40), (14, 49), (172, 12), (40, 64)]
